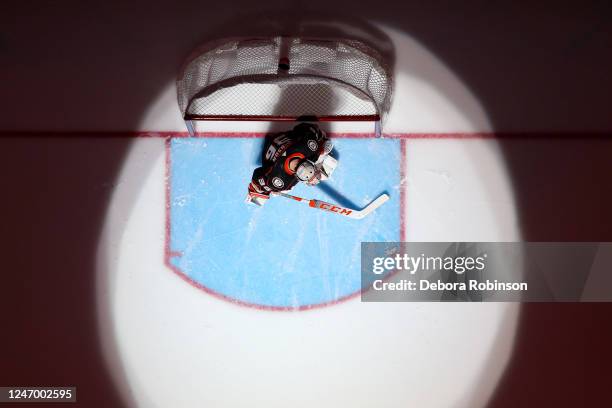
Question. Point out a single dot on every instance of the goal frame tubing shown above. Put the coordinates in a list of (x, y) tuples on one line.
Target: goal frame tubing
[(275, 118), (189, 120)]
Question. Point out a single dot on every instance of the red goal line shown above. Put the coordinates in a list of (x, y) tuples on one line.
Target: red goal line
[(349, 135)]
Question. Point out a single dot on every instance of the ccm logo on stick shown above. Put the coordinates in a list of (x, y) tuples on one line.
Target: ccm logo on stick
[(333, 208), (322, 205)]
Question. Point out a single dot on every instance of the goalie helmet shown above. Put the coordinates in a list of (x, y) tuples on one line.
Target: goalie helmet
[(309, 129), (305, 170)]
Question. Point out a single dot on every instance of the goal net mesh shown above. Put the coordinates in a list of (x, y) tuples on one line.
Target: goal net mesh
[(242, 79)]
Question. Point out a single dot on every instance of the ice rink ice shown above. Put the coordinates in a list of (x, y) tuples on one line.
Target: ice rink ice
[(197, 292), (256, 255)]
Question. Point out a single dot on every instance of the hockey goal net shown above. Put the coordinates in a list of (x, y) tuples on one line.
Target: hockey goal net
[(285, 79)]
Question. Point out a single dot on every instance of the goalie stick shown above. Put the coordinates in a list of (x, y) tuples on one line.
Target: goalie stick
[(347, 212)]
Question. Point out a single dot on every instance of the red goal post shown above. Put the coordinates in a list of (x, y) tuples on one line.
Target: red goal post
[(284, 79)]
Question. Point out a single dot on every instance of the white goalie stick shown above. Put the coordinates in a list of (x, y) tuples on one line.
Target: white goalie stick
[(346, 212)]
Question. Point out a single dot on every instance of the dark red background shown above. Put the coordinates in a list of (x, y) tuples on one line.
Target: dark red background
[(541, 71)]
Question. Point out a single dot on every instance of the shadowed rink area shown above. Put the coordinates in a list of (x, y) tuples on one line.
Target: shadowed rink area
[(79, 66)]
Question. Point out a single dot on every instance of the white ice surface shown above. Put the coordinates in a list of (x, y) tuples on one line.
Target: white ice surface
[(171, 345)]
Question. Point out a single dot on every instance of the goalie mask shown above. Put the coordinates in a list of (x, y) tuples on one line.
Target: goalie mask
[(305, 170)]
